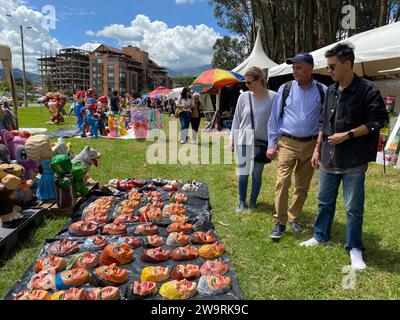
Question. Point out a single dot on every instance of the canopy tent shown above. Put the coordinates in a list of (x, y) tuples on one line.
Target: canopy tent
[(158, 92), (5, 57), (375, 50), (257, 58), (175, 93)]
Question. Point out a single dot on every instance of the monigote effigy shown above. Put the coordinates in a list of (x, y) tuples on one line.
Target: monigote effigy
[(134, 239)]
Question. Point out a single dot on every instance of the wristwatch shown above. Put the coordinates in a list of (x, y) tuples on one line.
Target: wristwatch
[(350, 134)]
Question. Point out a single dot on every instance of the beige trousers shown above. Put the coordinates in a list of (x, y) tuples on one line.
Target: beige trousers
[(293, 155)]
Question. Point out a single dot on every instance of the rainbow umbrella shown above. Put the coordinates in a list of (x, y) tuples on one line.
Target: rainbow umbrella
[(216, 78)]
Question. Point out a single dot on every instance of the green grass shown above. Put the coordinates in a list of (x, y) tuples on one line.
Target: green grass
[(265, 269)]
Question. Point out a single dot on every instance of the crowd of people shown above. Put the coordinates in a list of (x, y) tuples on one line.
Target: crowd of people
[(306, 126)]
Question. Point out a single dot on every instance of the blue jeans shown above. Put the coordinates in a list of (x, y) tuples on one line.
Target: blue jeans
[(184, 118), (353, 196), (244, 170)]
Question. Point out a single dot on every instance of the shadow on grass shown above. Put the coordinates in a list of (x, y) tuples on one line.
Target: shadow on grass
[(385, 259)]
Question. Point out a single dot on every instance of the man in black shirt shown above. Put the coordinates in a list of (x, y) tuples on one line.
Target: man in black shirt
[(351, 117), (114, 103)]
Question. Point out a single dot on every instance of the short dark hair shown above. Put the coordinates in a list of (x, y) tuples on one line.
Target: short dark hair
[(343, 51), (115, 93)]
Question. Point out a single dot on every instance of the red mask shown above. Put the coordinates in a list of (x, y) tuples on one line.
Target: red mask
[(214, 267), (83, 228), (116, 253), (64, 248), (185, 253), (115, 229), (177, 239), (179, 227), (148, 229), (201, 237), (144, 288), (189, 272), (155, 255), (50, 262)]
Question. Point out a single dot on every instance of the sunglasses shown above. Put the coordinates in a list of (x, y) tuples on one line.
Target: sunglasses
[(250, 82), (330, 67)]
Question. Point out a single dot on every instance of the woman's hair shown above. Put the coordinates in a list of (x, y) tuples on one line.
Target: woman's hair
[(184, 93), (256, 73)]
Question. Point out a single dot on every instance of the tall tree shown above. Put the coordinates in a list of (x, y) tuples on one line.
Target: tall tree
[(228, 53)]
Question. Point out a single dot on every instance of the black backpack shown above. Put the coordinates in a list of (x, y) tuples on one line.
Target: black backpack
[(288, 87)]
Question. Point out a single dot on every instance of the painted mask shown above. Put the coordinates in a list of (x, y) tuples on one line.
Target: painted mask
[(126, 218), (212, 267), (178, 219), (83, 228), (95, 243), (132, 242), (50, 262), (179, 227), (110, 275), (128, 206), (106, 293), (64, 248), (33, 295), (176, 209), (84, 260), (144, 288), (201, 237), (99, 217), (211, 251), (152, 241), (155, 255), (148, 229), (70, 294), (189, 272), (114, 229), (155, 274), (134, 195), (44, 280), (178, 289), (177, 239), (184, 253), (152, 213), (177, 197), (213, 285), (116, 253), (72, 278)]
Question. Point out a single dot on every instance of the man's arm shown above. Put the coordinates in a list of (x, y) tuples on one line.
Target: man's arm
[(273, 123)]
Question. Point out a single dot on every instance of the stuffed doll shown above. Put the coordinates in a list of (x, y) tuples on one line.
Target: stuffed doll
[(38, 148), (102, 103), (79, 111), (62, 166), (9, 211)]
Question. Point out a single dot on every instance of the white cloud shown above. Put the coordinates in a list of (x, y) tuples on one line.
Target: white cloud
[(187, 1), (177, 47), (36, 40)]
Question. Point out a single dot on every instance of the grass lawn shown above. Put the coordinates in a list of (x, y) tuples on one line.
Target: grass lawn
[(265, 269)]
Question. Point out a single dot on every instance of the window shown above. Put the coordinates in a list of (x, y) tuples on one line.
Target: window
[(99, 60)]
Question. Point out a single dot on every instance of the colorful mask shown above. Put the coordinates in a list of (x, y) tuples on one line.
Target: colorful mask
[(178, 289), (189, 272), (116, 253), (95, 243), (132, 242), (109, 276), (126, 218), (84, 260), (155, 274), (211, 251), (44, 280), (50, 262), (152, 241), (144, 288), (180, 227), (155, 255), (176, 209), (99, 217), (70, 294), (213, 285), (83, 228), (201, 237), (151, 213), (115, 229), (72, 278), (33, 295), (185, 253), (64, 248), (177, 239), (212, 267), (177, 197), (148, 229), (106, 293)]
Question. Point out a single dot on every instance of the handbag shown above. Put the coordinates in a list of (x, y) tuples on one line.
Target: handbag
[(260, 146)]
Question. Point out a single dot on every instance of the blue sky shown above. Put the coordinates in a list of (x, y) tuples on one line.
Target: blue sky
[(176, 33), (71, 27)]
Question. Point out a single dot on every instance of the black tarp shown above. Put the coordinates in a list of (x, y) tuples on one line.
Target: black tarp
[(198, 211)]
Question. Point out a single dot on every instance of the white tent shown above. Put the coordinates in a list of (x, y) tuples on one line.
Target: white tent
[(257, 58), (5, 57), (375, 50), (176, 92)]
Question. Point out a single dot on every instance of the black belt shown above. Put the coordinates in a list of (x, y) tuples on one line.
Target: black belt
[(299, 138)]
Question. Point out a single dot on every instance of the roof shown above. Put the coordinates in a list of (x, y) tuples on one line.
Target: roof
[(257, 58)]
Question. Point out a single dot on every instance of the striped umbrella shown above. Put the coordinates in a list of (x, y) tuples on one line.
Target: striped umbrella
[(216, 78)]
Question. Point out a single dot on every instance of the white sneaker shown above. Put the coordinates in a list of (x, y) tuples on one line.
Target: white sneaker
[(183, 141), (357, 261), (309, 243)]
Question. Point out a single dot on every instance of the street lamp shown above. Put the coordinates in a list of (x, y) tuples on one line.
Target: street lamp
[(23, 59)]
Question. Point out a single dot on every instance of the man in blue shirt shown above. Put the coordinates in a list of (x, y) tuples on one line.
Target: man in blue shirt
[(292, 132)]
